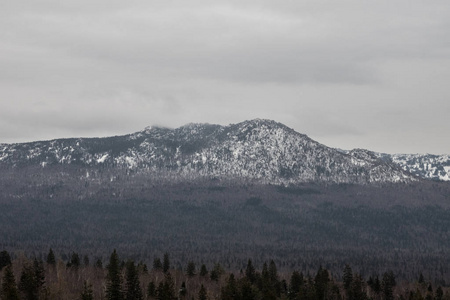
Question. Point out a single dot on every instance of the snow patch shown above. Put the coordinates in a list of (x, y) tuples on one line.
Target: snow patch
[(130, 161), (102, 159)]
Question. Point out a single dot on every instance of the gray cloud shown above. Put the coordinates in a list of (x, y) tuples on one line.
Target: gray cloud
[(348, 73)]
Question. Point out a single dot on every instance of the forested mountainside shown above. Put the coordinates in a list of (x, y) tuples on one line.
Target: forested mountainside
[(397, 226), (260, 150)]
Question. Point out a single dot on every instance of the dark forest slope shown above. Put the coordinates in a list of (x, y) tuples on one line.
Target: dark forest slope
[(374, 227)]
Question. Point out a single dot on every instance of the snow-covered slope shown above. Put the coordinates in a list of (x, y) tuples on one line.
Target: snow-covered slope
[(429, 166), (261, 150)]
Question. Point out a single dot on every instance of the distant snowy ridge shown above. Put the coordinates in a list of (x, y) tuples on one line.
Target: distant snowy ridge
[(429, 166), (261, 150), (426, 166)]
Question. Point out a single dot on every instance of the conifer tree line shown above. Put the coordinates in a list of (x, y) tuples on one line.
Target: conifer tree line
[(78, 278)]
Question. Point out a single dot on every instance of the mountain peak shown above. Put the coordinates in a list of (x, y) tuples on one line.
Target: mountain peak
[(261, 123)]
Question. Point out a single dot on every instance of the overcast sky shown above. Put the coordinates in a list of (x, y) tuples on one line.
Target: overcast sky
[(350, 74)]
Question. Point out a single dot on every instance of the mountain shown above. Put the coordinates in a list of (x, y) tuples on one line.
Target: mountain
[(224, 194), (261, 150)]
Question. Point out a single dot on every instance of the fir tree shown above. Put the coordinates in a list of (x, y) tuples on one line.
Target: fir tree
[(250, 272), (87, 293), (216, 272), (99, 263), (166, 262), (9, 287), (114, 279), (86, 260), (32, 279), (27, 283), (357, 288), (74, 261), (160, 294), (439, 294), (133, 286), (247, 291), (387, 285), (182, 292), (51, 260), (151, 290), (229, 291), (377, 285), (347, 277), (190, 269), (203, 271), (308, 291), (202, 295), (265, 284), (142, 267), (166, 289), (5, 259), (273, 278), (157, 264), (273, 272), (374, 285), (321, 282), (335, 292), (421, 280), (295, 284)]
